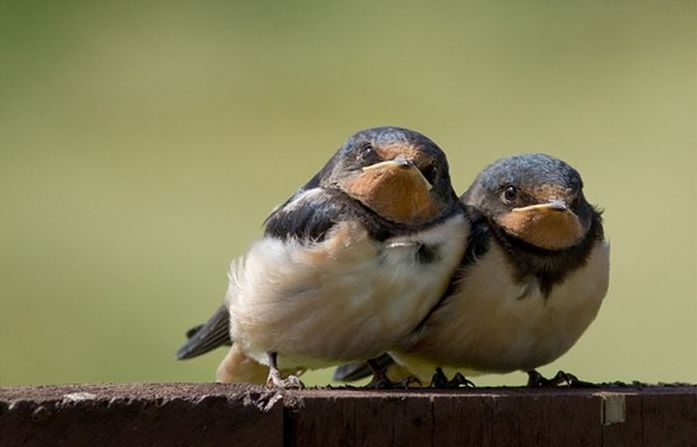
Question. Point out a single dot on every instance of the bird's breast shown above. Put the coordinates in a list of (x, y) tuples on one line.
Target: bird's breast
[(348, 297), (496, 323)]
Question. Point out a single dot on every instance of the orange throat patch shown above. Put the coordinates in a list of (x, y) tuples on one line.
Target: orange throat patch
[(398, 194), (544, 228)]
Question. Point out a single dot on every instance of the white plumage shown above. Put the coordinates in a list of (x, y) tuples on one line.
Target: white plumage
[(496, 324), (347, 297)]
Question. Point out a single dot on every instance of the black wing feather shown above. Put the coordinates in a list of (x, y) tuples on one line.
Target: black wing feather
[(213, 334), (309, 220)]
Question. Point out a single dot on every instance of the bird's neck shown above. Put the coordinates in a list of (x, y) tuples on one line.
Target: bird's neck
[(550, 267)]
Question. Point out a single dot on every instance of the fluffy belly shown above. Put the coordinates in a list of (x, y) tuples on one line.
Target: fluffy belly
[(495, 324), (345, 298)]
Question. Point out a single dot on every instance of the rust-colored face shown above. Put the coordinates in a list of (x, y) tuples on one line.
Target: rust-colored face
[(395, 188), (535, 198), (549, 223), (546, 226)]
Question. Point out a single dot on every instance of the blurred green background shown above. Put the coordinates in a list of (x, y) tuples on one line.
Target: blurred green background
[(143, 144)]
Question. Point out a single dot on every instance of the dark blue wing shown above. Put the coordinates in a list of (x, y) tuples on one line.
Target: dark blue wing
[(308, 215)]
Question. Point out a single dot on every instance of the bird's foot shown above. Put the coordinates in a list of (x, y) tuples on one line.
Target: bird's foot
[(275, 379), (291, 382), (410, 382), (537, 380), (382, 382), (441, 381)]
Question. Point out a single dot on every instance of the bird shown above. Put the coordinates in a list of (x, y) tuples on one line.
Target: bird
[(347, 266), (531, 281)]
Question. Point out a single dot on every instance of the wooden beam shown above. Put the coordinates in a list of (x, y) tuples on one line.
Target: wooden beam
[(244, 415)]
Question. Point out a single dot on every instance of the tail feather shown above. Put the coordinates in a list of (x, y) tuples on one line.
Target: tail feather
[(206, 337)]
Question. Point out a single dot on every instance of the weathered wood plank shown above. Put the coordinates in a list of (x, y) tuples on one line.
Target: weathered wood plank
[(244, 415), (140, 415), (458, 421), (669, 419)]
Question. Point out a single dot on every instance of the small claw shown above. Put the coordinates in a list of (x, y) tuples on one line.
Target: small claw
[(536, 380), (561, 378), (289, 383), (407, 382), (293, 383), (458, 379), (275, 380), (383, 383), (440, 381), (380, 383), (571, 380)]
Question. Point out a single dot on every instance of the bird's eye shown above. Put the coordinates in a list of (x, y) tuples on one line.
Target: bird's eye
[(510, 193), (430, 172), (575, 202), (367, 154)]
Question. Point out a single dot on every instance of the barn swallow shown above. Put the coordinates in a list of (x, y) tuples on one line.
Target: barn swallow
[(347, 267), (533, 277)]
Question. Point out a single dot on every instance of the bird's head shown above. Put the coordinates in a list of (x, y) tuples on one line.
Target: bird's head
[(535, 198), (399, 174)]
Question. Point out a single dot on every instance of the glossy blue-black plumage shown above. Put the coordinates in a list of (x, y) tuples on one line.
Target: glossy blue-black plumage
[(528, 171), (310, 220)]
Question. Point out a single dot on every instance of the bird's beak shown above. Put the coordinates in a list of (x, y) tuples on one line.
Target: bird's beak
[(552, 225), (551, 207), (400, 166)]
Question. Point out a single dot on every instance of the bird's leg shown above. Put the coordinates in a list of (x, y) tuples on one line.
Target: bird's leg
[(440, 380), (537, 380), (408, 381), (380, 379), (275, 379), (458, 379)]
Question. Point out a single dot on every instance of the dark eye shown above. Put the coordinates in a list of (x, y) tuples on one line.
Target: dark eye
[(431, 173), (367, 154), (509, 194), (575, 202)]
